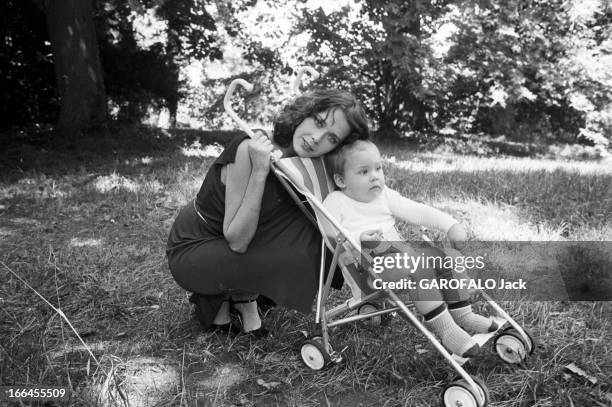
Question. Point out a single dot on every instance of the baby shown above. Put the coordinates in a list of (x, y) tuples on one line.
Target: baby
[(367, 209)]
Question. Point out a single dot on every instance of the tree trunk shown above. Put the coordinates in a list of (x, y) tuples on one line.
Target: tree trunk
[(173, 99), (173, 50), (413, 11), (78, 71)]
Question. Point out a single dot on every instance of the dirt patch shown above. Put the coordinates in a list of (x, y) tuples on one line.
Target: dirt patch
[(207, 385), (150, 380), (70, 349), (137, 382)]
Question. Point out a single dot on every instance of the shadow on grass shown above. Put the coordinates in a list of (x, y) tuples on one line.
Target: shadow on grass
[(22, 152), (101, 256)]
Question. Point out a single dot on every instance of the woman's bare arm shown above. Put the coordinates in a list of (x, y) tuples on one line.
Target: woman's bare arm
[(244, 185)]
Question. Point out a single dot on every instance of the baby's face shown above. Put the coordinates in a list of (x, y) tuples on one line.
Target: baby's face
[(363, 178)]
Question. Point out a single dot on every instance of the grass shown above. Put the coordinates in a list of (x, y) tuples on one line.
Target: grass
[(87, 228)]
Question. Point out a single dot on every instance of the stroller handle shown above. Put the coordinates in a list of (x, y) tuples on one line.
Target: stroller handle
[(227, 104), (298, 80)]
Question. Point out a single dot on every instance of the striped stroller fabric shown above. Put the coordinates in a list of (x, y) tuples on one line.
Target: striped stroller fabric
[(309, 174), (311, 178)]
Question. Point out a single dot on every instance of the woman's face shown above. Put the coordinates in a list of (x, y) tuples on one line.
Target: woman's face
[(321, 133)]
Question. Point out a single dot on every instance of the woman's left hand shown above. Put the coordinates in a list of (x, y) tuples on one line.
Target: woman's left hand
[(457, 236), (262, 133)]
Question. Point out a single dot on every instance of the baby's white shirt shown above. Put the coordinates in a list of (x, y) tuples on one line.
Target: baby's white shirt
[(381, 213)]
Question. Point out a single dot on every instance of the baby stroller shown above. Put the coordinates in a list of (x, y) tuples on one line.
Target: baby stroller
[(308, 182)]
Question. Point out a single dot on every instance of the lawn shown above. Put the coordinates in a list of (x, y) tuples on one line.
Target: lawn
[(86, 228)]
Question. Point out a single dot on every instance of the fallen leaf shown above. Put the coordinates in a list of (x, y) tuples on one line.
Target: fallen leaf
[(268, 385), (421, 350), (143, 308), (572, 368), (398, 377), (273, 358)]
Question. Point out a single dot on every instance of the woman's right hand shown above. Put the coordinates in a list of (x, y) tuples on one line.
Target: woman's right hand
[(259, 153)]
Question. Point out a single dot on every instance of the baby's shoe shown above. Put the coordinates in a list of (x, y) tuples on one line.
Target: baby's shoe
[(466, 318)]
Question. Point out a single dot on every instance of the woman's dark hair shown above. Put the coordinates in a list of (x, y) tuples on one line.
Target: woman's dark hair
[(311, 103)]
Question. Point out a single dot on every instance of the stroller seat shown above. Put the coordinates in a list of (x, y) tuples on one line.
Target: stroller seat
[(308, 182)]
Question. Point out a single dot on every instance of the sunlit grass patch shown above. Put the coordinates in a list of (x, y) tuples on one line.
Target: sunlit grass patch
[(5, 232), (435, 163), (37, 186), (196, 149), (21, 221), (186, 183), (101, 256), (82, 242), (596, 234), (499, 221), (141, 161), (116, 182), (555, 198)]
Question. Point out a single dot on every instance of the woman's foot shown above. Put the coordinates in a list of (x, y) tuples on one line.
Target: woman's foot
[(249, 316), (205, 306), (223, 322), (466, 318), (223, 315), (455, 339)]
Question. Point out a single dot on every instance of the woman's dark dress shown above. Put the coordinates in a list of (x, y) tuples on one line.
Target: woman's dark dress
[(282, 260)]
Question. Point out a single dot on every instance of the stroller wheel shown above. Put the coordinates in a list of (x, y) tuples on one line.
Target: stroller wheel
[(459, 393), (512, 348), (367, 308), (314, 354)]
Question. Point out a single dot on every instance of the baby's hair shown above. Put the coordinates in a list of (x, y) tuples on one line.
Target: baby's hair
[(316, 101), (336, 160)]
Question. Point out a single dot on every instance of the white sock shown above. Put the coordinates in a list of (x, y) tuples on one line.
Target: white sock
[(471, 322), (455, 339)]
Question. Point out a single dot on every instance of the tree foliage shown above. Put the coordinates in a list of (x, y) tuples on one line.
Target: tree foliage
[(525, 70), (514, 68), (381, 53), (519, 60), (27, 78), (139, 77)]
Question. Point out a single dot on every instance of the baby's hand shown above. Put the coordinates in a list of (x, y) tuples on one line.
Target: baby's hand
[(371, 235), (372, 242), (457, 236), (453, 252)]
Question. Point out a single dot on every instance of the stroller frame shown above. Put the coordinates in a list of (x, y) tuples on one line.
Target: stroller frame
[(329, 318), (512, 343)]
